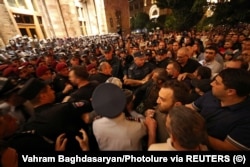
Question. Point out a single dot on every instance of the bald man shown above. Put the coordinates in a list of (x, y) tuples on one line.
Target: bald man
[(104, 72)]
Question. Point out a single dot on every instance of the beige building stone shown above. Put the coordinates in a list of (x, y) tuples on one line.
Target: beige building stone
[(61, 18)]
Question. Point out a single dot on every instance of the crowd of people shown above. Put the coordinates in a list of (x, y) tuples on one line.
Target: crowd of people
[(157, 91)]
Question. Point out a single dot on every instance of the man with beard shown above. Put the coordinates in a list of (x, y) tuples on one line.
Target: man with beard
[(210, 61), (172, 93), (147, 94), (78, 76)]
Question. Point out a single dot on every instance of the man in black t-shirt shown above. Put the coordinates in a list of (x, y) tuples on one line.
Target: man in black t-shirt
[(104, 73), (187, 64), (78, 76)]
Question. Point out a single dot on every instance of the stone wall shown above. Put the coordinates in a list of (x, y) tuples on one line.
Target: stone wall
[(111, 7), (8, 29)]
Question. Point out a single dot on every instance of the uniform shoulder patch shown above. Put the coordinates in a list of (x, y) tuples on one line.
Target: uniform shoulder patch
[(78, 104)]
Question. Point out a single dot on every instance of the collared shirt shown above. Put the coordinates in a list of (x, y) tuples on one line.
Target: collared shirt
[(231, 122), (118, 133), (139, 73), (213, 65)]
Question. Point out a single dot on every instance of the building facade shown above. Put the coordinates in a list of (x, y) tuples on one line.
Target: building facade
[(146, 6), (61, 18)]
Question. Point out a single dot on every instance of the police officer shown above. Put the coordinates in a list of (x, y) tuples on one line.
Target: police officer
[(49, 121), (162, 59), (139, 72), (113, 60)]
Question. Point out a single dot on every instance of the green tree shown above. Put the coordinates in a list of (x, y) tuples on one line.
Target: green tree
[(231, 13), (185, 14), (189, 13), (140, 21)]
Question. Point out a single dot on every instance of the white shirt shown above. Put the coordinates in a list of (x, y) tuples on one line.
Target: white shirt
[(162, 146), (214, 66), (118, 133)]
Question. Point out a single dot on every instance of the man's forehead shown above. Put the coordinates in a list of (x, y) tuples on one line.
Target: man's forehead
[(218, 78), (165, 91)]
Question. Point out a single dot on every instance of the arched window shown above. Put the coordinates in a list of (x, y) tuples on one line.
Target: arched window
[(154, 12)]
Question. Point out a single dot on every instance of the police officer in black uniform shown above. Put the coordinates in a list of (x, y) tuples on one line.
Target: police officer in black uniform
[(139, 72), (113, 60), (161, 58), (49, 121)]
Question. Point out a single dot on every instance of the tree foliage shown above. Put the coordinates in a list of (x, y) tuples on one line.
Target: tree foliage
[(188, 13), (185, 14), (139, 21), (231, 13)]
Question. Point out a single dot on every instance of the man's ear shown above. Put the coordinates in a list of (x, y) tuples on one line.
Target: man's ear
[(231, 92), (159, 81), (177, 104)]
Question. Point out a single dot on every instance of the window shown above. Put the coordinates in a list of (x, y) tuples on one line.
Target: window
[(77, 9), (80, 22), (141, 4), (20, 18), (33, 32), (17, 3), (79, 12), (111, 22), (28, 19), (23, 31), (155, 12), (131, 7), (40, 19), (153, 1), (12, 3), (136, 6)]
